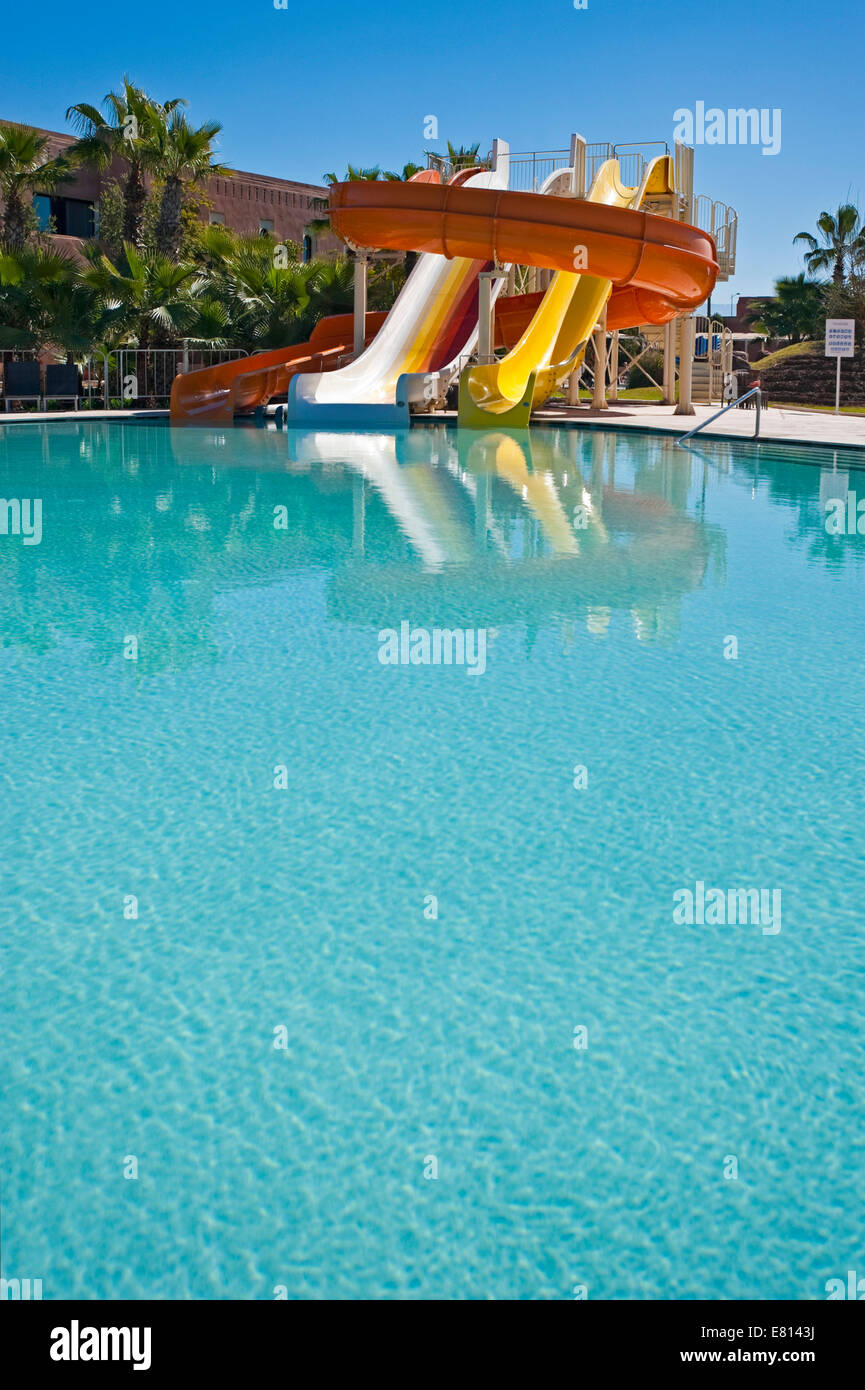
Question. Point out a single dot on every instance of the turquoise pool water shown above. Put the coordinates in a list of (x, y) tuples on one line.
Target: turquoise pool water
[(286, 1037)]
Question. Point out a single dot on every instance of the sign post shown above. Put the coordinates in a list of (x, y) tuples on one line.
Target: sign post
[(840, 342)]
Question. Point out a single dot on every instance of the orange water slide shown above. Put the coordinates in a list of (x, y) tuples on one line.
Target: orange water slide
[(665, 266), (216, 394)]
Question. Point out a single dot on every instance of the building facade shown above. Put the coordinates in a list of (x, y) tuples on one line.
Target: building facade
[(251, 204)]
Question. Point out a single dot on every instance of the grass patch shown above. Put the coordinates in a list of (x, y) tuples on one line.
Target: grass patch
[(826, 409), (807, 349)]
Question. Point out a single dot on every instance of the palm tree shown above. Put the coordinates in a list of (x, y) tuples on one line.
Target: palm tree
[(457, 157), (264, 300), (794, 313), (76, 316), (25, 170), (357, 174), (387, 279), (463, 156), (24, 272), (211, 324), (269, 300), (331, 289), (157, 294), (841, 243), (408, 171), (131, 118), (45, 303), (181, 154)]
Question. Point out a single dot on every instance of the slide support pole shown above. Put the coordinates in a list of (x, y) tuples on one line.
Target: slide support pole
[(670, 363), (485, 315), (599, 341), (686, 360), (360, 266)]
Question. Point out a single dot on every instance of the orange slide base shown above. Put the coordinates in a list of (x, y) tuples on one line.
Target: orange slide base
[(216, 394)]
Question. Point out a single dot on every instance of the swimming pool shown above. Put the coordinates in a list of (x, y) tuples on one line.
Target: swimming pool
[(405, 1010)]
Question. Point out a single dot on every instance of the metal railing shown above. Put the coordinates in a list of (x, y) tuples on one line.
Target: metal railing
[(713, 347), (147, 374), (721, 222), (126, 376), (633, 162), (529, 170), (448, 167), (755, 391)]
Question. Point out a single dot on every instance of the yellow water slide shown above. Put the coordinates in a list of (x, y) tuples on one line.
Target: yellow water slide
[(504, 393)]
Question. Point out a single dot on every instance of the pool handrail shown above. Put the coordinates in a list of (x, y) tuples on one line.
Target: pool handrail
[(754, 391)]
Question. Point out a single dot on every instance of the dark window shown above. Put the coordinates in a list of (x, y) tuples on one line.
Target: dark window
[(70, 216), (42, 208), (307, 248), (78, 217)]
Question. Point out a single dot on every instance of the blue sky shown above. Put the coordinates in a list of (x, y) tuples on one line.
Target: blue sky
[(301, 90)]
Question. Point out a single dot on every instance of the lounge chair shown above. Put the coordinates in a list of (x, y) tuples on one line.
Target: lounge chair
[(61, 382), (22, 382)]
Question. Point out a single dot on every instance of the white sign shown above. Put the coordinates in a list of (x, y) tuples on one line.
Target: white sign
[(840, 337)]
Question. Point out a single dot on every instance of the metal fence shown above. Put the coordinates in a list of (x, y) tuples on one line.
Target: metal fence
[(139, 375), (529, 171), (447, 167), (721, 222), (131, 377), (634, 159)]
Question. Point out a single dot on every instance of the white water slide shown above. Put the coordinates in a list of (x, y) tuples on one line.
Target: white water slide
[(432, 325)]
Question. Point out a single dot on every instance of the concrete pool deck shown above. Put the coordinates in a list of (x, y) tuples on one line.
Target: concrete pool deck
[(41, 417), (791, 426)]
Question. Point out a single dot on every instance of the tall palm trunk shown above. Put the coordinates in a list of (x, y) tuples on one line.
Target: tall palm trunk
[(169, 228), (134, 199), (15, 222)]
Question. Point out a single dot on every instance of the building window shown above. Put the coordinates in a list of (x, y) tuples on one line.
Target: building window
[(265, 226), (307, 248), (66, 216), (42, 208), (217, 219)]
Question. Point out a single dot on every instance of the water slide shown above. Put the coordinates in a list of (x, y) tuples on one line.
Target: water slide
[(433, 322), (656, 267), (215, 394), (553, 343)]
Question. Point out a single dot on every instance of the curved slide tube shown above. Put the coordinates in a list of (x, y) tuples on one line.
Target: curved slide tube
[(433, 321), (216, 394), (663, 266)]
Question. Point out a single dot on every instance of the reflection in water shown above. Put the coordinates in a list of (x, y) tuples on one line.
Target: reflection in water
[(145, 527)]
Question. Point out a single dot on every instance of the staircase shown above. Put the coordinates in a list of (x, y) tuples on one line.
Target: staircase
[(701, 381)]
